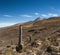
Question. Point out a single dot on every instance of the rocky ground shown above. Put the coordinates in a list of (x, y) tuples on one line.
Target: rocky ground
[(40, 37)]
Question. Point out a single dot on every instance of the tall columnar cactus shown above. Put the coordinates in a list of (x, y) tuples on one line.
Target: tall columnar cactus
[(19, 46)]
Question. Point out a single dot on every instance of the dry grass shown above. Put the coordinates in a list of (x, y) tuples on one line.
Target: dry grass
[(11, 33)]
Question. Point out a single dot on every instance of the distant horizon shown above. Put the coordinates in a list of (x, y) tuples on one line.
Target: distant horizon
[(19, 11)]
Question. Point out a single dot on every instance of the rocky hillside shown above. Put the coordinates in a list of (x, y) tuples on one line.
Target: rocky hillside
[(40, 29)]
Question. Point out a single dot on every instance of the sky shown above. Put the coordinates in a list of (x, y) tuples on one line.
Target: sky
[(19, 11)]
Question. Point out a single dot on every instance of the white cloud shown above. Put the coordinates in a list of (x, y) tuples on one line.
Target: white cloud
[(53, 15), (6, 24), (7, 15), (49, 15), (27, 16), (36, 13), (44, 15)]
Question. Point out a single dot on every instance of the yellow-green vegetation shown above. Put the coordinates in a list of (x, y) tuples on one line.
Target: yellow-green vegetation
[(44, 45), (53, 40)]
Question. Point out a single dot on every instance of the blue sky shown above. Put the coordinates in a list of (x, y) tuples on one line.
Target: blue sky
[(17, 11)]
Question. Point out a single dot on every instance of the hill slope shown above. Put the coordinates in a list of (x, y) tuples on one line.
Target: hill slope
[(40, 29)]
